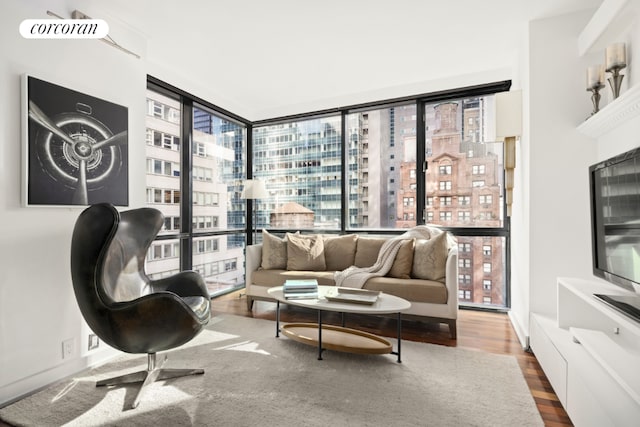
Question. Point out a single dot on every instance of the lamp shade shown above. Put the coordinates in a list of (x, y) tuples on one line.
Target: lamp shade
[(254, 189), (508, 114)]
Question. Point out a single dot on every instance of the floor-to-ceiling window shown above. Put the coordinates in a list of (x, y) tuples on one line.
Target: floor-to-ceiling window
[(300, 162), (196, 162), (381, 154), (431, 159), (375, 168), (464, 193)]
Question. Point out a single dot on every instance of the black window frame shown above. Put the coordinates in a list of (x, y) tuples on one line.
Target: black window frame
[(420, 101)]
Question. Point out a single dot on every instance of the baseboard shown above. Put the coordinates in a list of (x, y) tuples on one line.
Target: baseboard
[(24, 387), (523, 336)]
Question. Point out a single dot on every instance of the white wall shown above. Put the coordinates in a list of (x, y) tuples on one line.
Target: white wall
[(551, 226), (519, 285), (37, 305)]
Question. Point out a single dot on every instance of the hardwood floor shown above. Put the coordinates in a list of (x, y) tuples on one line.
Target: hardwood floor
[(477, 330)]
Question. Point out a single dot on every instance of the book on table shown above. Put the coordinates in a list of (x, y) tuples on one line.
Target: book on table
[(301, 295), (351, 295), (300, 285), (300, 289)]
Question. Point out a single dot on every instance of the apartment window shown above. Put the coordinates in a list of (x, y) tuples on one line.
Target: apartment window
[(464, 200), (171, 223), (478, 169), (445, 216), (464, 247), (486, 285), (217, 168), (464, 262), (486, 267), (464, 216), (445, 185), (444, 169), (486, 250), (446, 200), (485, 199), (464, 295), (429, 201), (162, 251), (464, 279)]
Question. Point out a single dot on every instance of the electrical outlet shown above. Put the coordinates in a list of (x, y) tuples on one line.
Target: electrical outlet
[(94, 342), (67, 348)]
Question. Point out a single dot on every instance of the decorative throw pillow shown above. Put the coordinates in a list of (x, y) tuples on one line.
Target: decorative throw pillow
[(305, 252), (367, 250), (430, 258), (339, 251), (401, 268), (274, 252)]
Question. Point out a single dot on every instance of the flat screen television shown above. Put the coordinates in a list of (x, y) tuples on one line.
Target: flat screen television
[(615, 222)]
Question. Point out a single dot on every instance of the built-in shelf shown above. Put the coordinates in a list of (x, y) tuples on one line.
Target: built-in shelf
[(612, 115), (590, 353)]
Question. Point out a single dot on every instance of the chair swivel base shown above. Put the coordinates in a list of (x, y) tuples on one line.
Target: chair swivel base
[(152, 373)]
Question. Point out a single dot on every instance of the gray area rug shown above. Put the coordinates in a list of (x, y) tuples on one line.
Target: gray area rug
[(254, 379)]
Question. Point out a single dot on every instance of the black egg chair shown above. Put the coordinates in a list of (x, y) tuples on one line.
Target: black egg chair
[(122, 306)]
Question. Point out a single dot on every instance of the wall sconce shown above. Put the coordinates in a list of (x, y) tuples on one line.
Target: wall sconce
[(254, 189), (595, 82), (615, 60), (508, 127)]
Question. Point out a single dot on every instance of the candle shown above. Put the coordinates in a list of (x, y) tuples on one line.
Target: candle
[(615, 56), (595, 76)]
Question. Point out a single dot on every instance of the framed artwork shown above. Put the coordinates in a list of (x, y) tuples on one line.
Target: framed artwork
[(75, 147)]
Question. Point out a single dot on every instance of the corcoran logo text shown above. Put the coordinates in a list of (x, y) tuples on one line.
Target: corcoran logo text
[(64, 28)]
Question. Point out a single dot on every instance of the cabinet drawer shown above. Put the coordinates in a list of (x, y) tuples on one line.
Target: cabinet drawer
[(550, 359), (596, 398)]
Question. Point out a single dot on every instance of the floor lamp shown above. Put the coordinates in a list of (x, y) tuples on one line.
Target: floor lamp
[(254, 189)]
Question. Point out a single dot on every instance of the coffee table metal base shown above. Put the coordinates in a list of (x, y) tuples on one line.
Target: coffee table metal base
[(337, 338)]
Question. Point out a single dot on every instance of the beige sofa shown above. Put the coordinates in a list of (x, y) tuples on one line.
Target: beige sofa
[(424, 271)]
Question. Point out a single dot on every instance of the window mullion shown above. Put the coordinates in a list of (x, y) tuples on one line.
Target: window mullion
[(186, 186), (420, 161)]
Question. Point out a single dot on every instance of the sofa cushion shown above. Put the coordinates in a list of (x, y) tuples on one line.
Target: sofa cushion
[(274, 251), (367, 249), (414, 290), (430, 258), (339, 251), (305, 252), (403, 262)]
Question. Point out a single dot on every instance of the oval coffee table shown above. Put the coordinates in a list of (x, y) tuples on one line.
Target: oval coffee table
[(340, 338)]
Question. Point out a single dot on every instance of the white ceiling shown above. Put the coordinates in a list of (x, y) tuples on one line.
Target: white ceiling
[(269, 58)]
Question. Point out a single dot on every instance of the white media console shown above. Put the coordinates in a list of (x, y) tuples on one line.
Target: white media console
[(591, 355)]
